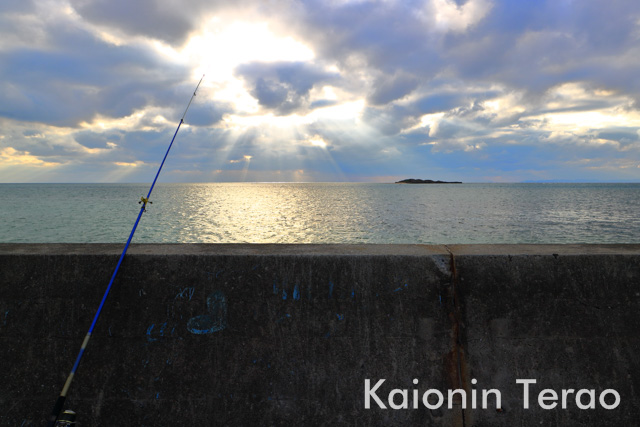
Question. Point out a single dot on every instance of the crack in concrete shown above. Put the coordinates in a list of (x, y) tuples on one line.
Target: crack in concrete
[(456, 363)]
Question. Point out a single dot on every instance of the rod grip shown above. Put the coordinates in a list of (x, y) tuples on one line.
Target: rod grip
[(56, 411)]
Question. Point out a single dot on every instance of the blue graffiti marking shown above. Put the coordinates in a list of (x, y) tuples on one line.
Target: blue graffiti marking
[(216, 318), (275, 288), (160, 332), (149, 329), (296, 293), (400, 288), (353, 293), (162, 328), (185, 293), (330, 289), (284, 294), (286, 316), (340, 316)]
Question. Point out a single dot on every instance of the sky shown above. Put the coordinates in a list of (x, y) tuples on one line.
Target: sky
[(320, 91)]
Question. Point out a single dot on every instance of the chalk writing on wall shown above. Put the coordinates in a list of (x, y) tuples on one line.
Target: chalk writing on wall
[(216, 318)]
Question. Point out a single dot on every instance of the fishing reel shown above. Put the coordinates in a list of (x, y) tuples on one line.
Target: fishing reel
[(143, 200), (68, 418)]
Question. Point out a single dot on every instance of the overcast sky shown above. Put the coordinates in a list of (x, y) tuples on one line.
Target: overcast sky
[(331, 90)]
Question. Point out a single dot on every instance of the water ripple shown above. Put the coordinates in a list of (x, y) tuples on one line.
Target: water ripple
[(323, 213)]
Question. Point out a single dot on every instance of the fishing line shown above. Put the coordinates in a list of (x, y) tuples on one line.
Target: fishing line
[(55, 414)]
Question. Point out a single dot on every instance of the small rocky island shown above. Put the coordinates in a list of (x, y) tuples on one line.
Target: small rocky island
[(425, 181)]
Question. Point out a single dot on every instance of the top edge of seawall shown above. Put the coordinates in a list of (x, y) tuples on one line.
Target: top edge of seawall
[(231, 249)]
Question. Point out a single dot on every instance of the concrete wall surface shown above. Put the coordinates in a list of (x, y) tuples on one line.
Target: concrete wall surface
[(252, 335)]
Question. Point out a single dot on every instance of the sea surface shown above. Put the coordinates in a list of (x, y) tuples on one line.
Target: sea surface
[(322, 213)]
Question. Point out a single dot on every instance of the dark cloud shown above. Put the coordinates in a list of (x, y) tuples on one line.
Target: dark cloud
[(535, 45), (80, 77), (277, 95), (208, 114), (390, 120), (387, 89), (162, 20), (171, 21), (620, 135), (284, 86), (147, 146), (624, 140), (323, 103), (384, 36)]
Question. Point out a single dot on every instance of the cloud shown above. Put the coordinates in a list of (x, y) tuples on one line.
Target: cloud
[(387, 89), (90, 139), (165, 20), (446, 15), (209, 113), (284, 87), (79, 76), (10, 156), (390, 120), (470, 88), (16, 6)]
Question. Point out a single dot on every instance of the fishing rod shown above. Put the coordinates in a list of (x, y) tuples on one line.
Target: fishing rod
[(55, 414)]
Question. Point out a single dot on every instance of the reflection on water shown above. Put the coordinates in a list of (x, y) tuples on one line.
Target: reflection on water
[(323, 213)]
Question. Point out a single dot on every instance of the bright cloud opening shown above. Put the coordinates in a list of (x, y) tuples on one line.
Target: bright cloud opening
[(130, 164), (217, 50), (448, 16), (318, 141), (11, 156)]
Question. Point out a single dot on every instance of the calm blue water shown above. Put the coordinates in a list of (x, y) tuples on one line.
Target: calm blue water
[(322, 213)]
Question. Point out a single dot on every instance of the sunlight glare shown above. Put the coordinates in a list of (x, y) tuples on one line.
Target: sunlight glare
[(346, 111), (217, 51), (589, 120), (317, 141)]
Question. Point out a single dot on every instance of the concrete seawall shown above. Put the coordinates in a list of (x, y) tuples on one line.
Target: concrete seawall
[(200, 335)]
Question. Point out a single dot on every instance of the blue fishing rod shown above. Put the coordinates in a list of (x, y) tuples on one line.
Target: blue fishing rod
[(69, 416)]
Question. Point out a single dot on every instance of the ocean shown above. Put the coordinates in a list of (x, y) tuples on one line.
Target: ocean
[(322, 213)]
